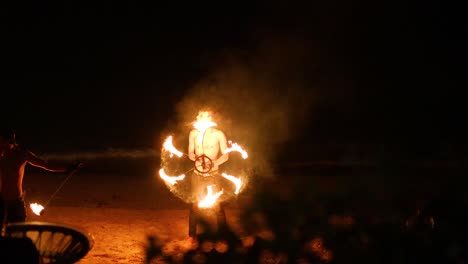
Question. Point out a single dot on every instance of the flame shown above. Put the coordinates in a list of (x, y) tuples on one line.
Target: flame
[(236, 147), (168, 146), (203, 125), (170, 179), (237, 181), (36, 208), (210, 198)]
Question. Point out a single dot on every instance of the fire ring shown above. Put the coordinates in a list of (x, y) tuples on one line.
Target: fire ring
[(203, 164)]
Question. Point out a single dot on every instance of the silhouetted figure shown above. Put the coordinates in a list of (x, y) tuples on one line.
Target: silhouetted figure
[(13, 160)]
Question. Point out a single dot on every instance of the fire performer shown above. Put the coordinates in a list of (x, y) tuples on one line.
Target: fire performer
[(206, 148), (13, 160)]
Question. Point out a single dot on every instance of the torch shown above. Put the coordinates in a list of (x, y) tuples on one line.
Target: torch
[(39, 209)]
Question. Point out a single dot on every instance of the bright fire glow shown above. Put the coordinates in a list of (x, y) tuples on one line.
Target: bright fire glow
[(36, 208), (202, 125), (236, 147), (210, 198), (168, 146), (170, 179), (237, 181)]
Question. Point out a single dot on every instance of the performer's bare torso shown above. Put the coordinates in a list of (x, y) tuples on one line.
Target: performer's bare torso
[(207, 143), (12, 165)]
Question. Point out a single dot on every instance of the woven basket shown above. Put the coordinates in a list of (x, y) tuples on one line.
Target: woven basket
[(55, 243)]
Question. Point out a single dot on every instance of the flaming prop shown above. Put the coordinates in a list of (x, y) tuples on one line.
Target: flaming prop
[(37, 208), (236, 147), (168, 146), (237, 181), (210, 198), (172, 180), (202, 124)]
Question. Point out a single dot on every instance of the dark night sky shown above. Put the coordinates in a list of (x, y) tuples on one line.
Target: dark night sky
[(82, 76)]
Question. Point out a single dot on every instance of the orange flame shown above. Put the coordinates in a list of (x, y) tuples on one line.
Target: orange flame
[(237, 181), (170, 179), (210, 198), (168, 146), (202, 125), (36, 208), (236, 147)]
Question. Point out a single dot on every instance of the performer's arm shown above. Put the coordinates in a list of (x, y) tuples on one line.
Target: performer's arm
[(191, 146), (43, 164), (222, 147)]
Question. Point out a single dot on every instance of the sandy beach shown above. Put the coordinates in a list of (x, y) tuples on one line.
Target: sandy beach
[(119, 209), (118, 212)]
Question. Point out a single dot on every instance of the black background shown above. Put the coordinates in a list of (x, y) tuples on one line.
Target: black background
[(84, 76)]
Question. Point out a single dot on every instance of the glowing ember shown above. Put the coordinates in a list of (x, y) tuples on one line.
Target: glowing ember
[(237, 181), (236, 147), (37, 208), (210, 198), (168, 146), (170, 179)]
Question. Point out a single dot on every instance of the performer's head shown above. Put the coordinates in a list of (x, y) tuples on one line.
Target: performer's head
[(205, 115), (7, 137)]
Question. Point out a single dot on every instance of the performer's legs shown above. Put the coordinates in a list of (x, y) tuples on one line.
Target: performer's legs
[(221, 216), (194, 213), (220, 208), (16, 211), (193, 220), (199, 184)]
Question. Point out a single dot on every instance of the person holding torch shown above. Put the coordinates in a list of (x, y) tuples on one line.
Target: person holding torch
[(13, 160)]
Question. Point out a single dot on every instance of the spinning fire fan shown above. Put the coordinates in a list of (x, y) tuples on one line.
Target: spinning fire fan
[(202, 164)]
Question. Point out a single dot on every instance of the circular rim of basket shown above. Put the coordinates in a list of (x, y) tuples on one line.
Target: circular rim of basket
[(47, 226)]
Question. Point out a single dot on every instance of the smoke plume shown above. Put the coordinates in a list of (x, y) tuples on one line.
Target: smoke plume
[(111, 153), (259, 102)]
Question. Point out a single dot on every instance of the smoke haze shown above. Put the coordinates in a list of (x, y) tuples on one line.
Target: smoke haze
[(107, 154), (259, 102)]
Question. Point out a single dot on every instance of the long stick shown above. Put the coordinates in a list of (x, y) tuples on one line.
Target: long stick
[(57, 190)]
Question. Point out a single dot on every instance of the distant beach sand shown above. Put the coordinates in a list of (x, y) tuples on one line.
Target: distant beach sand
[(118, 212)]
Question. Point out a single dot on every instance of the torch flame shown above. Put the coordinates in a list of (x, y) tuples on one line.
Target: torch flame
[(170, 179), (237, 181), (236, 147), (36, 208), (210, 198), (168, 146)]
